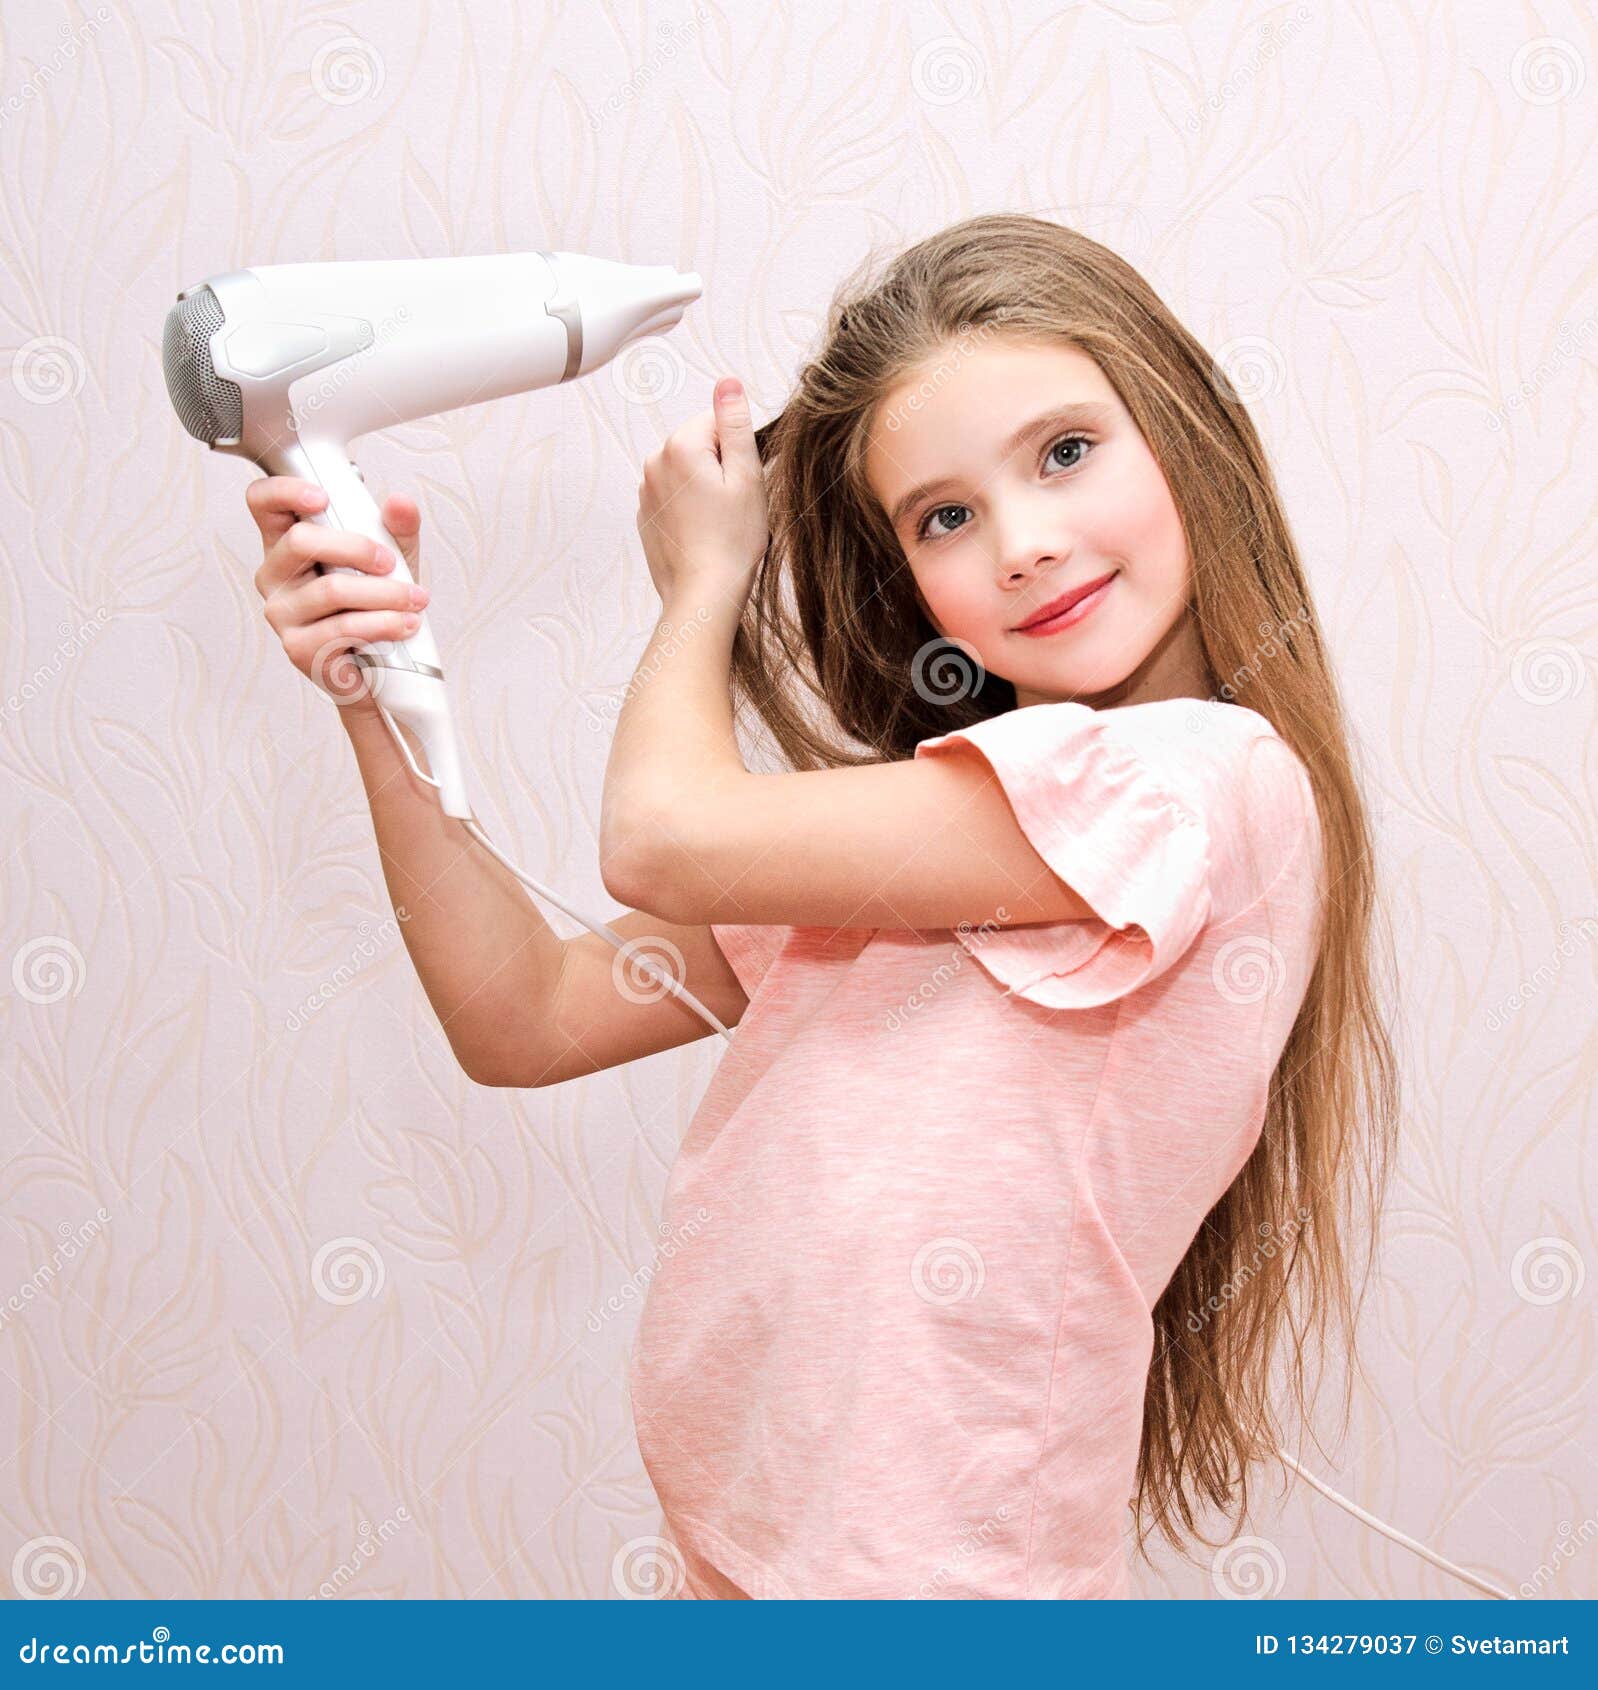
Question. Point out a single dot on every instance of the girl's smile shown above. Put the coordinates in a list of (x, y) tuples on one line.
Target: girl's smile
[(1076, 606)]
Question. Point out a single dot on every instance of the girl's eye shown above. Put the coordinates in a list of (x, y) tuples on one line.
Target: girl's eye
[(938, 510)]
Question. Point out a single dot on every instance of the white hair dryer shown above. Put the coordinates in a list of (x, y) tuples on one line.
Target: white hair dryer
[(286, 364)]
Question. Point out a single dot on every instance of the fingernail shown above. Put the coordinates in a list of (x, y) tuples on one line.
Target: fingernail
[(418, 595), (412, 622), (384, 556)]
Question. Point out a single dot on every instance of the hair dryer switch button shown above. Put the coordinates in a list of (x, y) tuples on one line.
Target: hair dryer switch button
[(263, 349)]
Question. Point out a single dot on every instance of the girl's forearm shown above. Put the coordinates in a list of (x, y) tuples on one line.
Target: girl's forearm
[(674, 754), (486, 957)]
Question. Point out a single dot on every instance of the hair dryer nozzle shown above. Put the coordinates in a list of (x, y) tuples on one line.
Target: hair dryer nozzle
[(608, 304)]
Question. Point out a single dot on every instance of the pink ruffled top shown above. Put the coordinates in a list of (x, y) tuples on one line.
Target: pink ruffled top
[(935, 1188)]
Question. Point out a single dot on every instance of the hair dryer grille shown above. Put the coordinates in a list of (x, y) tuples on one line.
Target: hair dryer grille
[(208, 406)]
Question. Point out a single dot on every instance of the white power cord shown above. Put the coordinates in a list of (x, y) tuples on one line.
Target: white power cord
[(630, 947), (682, 992), (1397, 1536)]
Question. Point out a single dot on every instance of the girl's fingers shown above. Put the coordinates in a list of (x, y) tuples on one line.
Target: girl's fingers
[(308, 543), (315, 642), (277, 502), (310, 598), (403, 519)]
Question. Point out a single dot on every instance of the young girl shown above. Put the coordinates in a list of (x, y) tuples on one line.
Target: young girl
[(1058, 1049)]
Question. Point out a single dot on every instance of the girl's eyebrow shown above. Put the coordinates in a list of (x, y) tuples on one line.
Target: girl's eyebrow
[(1085, 411)]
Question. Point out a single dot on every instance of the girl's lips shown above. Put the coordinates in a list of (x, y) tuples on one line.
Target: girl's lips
[(1068, 619)]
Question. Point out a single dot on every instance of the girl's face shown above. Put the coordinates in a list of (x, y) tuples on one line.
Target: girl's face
[(1012, 474)]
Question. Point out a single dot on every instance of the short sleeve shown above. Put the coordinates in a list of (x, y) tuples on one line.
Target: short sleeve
[(750, 949), (1117, 802)]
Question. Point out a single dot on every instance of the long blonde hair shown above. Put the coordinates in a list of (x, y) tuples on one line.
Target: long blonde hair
[(832, 632)]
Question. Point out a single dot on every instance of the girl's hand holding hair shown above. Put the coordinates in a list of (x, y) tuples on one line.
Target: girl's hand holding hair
[(702, 509)]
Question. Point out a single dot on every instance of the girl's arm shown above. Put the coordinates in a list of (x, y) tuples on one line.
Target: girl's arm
[(689, 834)]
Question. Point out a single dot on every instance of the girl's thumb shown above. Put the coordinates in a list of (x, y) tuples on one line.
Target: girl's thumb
[(734, 432), (403, 519)]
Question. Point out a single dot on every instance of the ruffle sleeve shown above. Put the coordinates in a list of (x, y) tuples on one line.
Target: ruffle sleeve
[(1102, 799), (750, 949)]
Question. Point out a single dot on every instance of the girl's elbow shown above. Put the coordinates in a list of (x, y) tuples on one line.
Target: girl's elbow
[(634, 878)]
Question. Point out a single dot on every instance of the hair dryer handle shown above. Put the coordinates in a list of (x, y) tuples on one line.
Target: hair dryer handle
[(409, 679), (352, 508)]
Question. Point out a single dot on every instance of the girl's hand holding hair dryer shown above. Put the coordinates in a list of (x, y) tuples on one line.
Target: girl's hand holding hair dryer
[(702, 520), (321, 617)]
